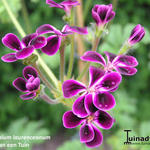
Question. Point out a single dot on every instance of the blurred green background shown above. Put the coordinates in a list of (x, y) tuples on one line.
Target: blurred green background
[(38, 118)]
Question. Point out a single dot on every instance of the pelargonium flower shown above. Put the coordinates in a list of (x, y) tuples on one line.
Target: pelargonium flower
[(65, 5), (30, 84), (24, 48), (100, 85), (137, 35), (121, 63), (89, 133), (102, 14), (54, 41)]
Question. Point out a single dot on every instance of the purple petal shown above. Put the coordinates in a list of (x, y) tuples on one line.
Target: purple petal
[(20, 84), (29, 71), (96, 17), (86, 133), (70, 120), (88, 102), (110, 81), (95, 75), (110, 16), (27, 39), (11, 57), (28, 96), (93, 57), (39, 42), (103, 119), (66, 30), (46, 28), (78, 30), (104, 101), (33, 84), (11, 41), (98, 138), (25, 52), (110, 56), (72, 87), (51, 3), (125, 60), (78, 107), (52, 46), (129, 71), (70, 2)]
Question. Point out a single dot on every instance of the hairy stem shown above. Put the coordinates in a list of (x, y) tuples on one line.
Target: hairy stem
[(47, 99), (22, 33), (62, 62)]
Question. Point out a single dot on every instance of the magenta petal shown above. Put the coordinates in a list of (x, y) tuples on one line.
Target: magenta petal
[(46, 28), (88, 103), (110, 81), (11, 41), (98, 138), (93, 57), (11, 57), (96, 17), (103, 119), (29, 71), (110, 56), (104, 101), (78, 107), (28, 96), (72, 87), (20, 84), (95, 75), (51, 3), (125, 60), (27, 39), (52, 46), (33, 84), (129, 71), (39, 42), (25, 52), (70, 2), (70, 120), (86, 133), (78, 30)]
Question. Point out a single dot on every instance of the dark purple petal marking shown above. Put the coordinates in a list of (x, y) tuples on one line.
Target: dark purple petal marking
[(104, 101), (103, 119), (95, 75), (98, 139), (71, 88), (88, 103), (33, 84), (125, 60), (110, 56), (28, 96), (11, 57), (25, 52), (52, 46), (11, 41), (93, 57), (78, 30), (27, 39), (129, 71), (70, 120), (86, 133), (39, 42), (20, 84), (78, 107), (110, 81), (29, 71)]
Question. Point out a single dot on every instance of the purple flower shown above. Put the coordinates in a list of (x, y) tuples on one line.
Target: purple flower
[(30, 84), (24, 48), (89, 133), (54, 41), (65, 5), (121, 63), (100, 85), (102, 14), (137, 35)]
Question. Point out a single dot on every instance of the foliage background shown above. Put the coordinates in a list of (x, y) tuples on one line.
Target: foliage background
[(132, 98)]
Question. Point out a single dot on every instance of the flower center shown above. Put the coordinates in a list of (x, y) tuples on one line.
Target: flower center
[(90, 118), (109, 67)]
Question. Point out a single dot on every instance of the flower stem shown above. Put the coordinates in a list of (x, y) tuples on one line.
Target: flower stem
[(71, 60), (95, 44), (47, 99), (22, 33), (124, 48)]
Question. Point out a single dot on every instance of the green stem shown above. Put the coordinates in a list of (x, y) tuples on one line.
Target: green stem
[(124, 48), (47, 99), (86, 8), (71, 60), (26, 16), (96, 42), (22, 33)]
